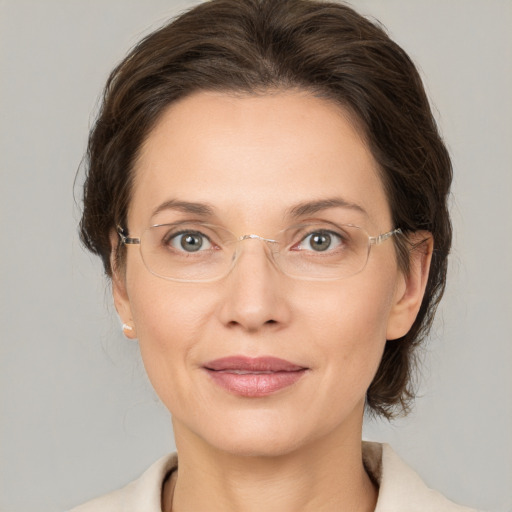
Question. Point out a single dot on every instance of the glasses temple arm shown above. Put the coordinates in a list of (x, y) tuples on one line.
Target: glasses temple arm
[(125, 239), (376, 240)]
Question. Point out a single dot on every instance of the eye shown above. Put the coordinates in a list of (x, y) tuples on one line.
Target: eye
[(320, 241), (189, 241)]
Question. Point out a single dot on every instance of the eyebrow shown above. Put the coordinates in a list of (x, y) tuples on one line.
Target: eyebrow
[(202, 209), (299, 210), (312, 207)]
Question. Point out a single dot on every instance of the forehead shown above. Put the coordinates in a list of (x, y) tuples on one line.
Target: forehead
[(254, 158)]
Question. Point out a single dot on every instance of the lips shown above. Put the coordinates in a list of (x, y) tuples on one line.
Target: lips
[(254, 377)]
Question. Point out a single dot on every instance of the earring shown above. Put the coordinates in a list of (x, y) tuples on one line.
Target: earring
[(128, 331)]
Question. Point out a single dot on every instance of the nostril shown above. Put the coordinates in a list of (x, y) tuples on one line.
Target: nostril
[(234, 323)]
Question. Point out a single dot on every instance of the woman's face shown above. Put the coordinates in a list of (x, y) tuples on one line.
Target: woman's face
[(246, 163)]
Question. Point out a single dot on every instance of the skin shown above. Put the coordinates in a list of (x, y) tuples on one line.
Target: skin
[(252, 158)]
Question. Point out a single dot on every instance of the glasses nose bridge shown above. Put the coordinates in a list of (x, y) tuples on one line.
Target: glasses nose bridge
[(268, 242), (252, 236)]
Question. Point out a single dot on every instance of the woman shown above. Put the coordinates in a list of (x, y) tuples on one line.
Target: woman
[(267, 190)]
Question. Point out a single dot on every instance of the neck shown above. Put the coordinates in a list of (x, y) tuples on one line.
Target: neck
[(326, 475)]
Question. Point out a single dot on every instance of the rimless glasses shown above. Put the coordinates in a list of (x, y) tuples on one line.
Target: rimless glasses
[(201, 252)]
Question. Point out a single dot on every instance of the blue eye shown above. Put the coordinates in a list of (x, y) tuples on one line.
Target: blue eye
[(320, 241), (189, 241)]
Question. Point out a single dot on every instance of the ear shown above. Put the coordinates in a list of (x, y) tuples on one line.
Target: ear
[(411, 287), (120, 295)]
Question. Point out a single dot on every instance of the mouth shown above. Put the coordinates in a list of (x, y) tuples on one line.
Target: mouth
[(254, 377)]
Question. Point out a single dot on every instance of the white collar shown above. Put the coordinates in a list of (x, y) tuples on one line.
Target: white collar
[(400, 488)]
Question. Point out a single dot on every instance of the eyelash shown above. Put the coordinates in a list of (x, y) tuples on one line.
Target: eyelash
[(323, 232), (172, 236)]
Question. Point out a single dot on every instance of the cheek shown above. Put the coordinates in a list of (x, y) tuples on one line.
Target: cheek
[(358, 311), (163, 314), (349, 327), (169, 320)]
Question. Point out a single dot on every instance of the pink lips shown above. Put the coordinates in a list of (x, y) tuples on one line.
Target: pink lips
[(253, 377)]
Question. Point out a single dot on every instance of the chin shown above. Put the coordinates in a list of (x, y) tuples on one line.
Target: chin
[(269, 433), (256, 434), (257, 446)]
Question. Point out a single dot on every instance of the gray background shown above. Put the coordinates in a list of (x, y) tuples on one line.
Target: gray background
[(78, 417)]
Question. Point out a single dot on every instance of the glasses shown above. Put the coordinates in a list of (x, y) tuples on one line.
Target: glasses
[(200, 252)]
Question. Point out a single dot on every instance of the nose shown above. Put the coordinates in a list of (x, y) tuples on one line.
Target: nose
[(254, 295)]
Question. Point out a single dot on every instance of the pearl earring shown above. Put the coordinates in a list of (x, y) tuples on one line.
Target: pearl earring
[(128, 331)]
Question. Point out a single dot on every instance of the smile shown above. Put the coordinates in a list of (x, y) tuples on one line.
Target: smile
[(253, 377)]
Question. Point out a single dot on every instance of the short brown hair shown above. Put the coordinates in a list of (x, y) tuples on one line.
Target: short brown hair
[(252, 46)]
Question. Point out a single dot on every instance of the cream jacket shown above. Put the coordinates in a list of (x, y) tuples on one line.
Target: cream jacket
[(400, 488)]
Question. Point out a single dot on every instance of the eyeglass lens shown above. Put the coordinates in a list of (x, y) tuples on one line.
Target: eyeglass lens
[(203, 252)]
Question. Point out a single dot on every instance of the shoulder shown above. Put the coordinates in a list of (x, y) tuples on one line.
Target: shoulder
[(141, 494), (400, 487)]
